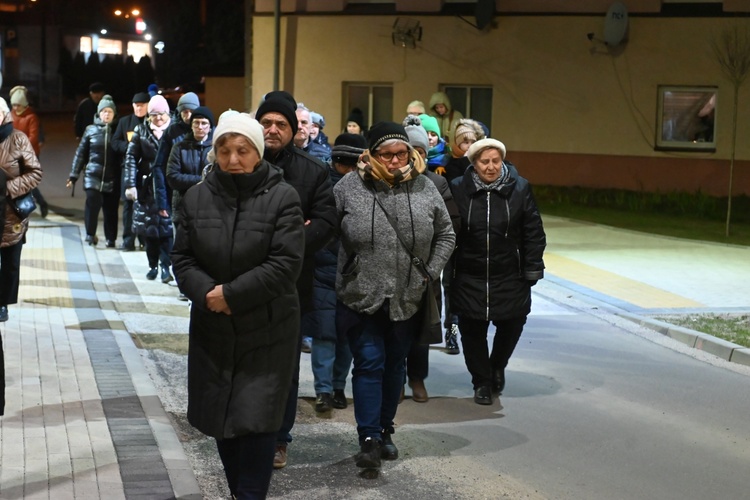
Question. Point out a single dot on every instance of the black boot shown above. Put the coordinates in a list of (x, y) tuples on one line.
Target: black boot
[(483, 395), (388, 450), (451, 340), (369, 454), (498, 380)]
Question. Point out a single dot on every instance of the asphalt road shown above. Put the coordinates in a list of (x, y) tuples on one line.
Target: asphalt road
[(595, 408)]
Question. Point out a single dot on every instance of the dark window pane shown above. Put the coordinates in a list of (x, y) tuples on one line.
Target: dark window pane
[(457, 96), (382, 104), (481, 105)]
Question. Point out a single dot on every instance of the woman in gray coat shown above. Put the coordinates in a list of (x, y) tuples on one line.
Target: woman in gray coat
[(237, 255), (380, 290)]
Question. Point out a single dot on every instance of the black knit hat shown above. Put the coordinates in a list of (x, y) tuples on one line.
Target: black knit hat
[(203, 112), (347, 148), (279, 101), (141, 97), (96, 87), (357, 117), (384, 131)]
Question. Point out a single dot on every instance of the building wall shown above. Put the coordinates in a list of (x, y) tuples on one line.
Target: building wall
[(565, 105)]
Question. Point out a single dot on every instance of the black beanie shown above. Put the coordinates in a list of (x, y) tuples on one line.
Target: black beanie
[(279, 101), (385, 131), (347, 148), (141, 97), (357, 117), (203, 112)]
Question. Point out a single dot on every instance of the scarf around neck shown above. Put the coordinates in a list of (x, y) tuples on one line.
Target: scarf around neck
[(159, 131), (494, 185), (370, 168)]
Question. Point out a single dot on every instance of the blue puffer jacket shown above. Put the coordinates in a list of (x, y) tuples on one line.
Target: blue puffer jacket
[(184, 168), (96, 156)]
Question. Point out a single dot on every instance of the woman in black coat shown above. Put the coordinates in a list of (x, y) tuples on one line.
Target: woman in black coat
[(237, 255), (98, 161), (498, 259)]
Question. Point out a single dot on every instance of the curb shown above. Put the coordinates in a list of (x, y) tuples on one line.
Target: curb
[(721, 348)]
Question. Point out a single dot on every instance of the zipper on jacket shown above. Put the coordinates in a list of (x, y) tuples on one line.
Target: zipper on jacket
[(487, 265), (104, 167)]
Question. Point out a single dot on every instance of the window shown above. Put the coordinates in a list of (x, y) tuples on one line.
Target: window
[(374, 100), (686, 118), (471, 101), (85, 45), (138, 50), (109, 46)]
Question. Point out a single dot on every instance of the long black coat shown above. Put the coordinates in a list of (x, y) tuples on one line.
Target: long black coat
[(499, 249), (246, 233)]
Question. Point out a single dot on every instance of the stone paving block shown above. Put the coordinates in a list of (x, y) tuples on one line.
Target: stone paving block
[(61, 488), (59, 465)]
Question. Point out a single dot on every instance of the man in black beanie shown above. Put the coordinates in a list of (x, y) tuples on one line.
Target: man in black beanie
[(87, 109), (309, 177), (120, 141)]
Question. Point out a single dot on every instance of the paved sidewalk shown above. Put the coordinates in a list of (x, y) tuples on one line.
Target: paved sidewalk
[(83, 419)]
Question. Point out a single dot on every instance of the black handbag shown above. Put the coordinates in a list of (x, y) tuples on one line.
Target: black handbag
[(431, 329), (24, 205)]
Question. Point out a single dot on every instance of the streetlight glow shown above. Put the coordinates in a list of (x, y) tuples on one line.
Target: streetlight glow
[(103, 31), (135, 12), (118, 12), (148, 36)]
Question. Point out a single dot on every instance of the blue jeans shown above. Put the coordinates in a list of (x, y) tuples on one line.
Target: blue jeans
[(379, 347), (331, 362)]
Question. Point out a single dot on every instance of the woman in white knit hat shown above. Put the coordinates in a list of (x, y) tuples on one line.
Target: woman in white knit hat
[(27, 121), (238, 252), (498, 259)]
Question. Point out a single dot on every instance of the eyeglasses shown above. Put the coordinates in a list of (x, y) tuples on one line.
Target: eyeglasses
[(156, 114), (388, 157)]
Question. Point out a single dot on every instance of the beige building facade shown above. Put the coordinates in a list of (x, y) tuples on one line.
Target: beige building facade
[(571, 111)]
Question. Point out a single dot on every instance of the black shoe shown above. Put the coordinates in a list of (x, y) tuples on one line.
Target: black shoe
[(498, 380), (3, 313), (44, 209), (183, 297), (339, 399), (483, 395), (324, 402), (166, 276), (388, 450), (369, 454), (92, 240), (110, 244), (126, 248), (451, 340), (151, 275)]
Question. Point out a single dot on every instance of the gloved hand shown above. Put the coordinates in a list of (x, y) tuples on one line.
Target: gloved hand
[(131, 193), (440, 171)]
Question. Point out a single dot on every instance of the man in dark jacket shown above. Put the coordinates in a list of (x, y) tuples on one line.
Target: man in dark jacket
[(87, 109), (120, 141), (277, 115)]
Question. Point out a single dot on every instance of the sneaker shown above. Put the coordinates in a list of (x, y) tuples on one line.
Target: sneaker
[(388, 450), (369, 454), (151, 275), (166, 276), (307, 344), (324, 402), (3, 313), (451, 340), (279, 457), (339, 399)]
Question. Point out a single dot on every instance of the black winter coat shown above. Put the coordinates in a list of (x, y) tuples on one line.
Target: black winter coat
[(244, 232), (96, 158), (499, 249), (184, 168), (310, 178)]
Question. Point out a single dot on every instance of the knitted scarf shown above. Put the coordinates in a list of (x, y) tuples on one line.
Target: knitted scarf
[(494, 185), (370, 168), (159, 131)]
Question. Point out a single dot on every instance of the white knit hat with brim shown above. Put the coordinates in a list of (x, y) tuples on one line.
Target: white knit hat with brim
[(18, 96), (243, 124), (483, 144)]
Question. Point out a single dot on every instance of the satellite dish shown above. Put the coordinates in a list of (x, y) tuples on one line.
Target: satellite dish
[(615, 24)]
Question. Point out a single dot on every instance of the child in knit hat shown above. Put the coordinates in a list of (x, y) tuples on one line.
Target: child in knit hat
[(438, 154), (466, 133)]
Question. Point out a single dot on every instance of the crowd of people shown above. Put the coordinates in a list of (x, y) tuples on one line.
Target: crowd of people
[(280, 238)]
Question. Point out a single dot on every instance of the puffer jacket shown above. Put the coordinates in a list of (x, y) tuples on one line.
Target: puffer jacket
[(141, 172), (184, 168), (23, 172), (499, 250), (28, 123), (96, 158), (373, 265), (246, 233)]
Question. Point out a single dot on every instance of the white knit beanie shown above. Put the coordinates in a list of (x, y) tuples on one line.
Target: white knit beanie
[(243, 124), (18, 96), (483, 144)]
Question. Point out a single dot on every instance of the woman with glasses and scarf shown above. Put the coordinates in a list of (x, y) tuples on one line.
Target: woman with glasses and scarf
[(380, 290), (498, 259)]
